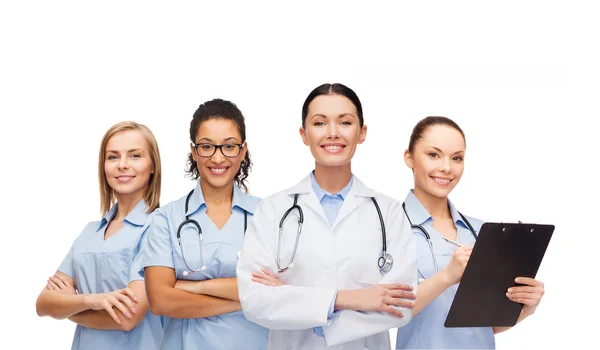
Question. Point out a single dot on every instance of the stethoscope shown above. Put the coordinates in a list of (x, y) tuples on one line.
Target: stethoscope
[(199, 229), (385, 261), (428, 238)]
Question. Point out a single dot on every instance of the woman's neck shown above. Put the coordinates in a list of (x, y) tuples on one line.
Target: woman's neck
[(126, 203), (436, 207), (216, 195), (333, 179)]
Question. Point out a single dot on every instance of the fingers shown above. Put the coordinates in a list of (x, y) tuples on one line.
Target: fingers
[(525, 289), (266, 281), (58, 282), (394, 293), (392, 311), (399, 302), (65, 281), (53, 285), (397, 286), (108, 307), (125, 299), (262, 281), (130, 293), (269, 273), (114, 301), (525, 300), (536, 298), (529, 281)]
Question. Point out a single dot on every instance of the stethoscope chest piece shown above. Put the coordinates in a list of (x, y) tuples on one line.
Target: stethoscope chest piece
[(386, 262)]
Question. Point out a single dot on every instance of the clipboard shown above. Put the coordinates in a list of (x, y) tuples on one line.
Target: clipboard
[(502, 252)]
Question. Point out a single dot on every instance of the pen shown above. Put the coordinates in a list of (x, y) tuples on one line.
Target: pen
[(451, 241)]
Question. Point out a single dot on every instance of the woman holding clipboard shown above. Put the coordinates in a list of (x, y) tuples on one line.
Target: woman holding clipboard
[(444, 239)]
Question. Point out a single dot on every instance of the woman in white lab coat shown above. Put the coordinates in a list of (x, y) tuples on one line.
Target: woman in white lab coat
[(333, 282)]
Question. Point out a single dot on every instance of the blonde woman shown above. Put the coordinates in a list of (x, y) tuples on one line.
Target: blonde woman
[(98, 285)]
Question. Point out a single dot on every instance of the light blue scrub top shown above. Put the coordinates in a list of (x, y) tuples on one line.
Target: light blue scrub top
[(331, 203), (220, 249), (427, 330), (100, 266)]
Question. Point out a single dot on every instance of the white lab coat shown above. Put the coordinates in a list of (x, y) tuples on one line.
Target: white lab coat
[(328, 259)]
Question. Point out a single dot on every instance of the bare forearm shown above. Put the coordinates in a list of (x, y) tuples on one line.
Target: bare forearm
[(99, 319), (225, 288), (497, 330), (345, 300), (60, 305), (430, 289), (176, 303)]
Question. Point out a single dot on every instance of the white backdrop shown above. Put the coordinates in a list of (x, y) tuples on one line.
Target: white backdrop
[(520, 78)]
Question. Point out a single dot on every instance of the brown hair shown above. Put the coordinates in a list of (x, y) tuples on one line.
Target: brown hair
[(152, 192), (425, 124)]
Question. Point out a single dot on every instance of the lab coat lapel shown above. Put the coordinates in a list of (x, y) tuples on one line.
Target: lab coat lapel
[(307, 198), (355, 197)]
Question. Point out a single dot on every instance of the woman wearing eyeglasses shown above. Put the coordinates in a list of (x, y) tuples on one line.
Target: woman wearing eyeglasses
[(191, 251)]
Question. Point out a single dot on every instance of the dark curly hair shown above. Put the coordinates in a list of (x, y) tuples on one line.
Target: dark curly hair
[(220, 109)]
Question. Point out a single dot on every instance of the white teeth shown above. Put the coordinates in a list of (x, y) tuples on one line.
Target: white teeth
[(442, 180), (218, 170), (333, 148)]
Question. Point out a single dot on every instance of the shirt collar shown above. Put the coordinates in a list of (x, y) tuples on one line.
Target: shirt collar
[(322, 193), (456, 218), (136, 217), (418, 215), (415, 211), (239, 199), (243, 200)]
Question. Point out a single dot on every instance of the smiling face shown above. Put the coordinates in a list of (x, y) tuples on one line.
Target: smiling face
[(218, 170), (127, 164), (332, 130), (437, 161)]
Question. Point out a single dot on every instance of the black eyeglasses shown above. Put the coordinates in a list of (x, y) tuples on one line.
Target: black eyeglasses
[(229, 150)]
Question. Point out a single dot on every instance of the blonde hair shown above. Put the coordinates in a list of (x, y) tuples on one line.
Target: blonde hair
[(152, 192)]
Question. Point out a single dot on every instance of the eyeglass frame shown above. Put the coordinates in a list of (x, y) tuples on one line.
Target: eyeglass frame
[(220, 147)]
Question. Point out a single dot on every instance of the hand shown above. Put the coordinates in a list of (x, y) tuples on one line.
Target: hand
[(60, 284), (189, 286), (380, 297), (267, 278), (530, 294), (107, 301), (458, 262)]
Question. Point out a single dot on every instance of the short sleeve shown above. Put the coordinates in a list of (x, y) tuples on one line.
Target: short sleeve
[(66, 266), (156, 247)]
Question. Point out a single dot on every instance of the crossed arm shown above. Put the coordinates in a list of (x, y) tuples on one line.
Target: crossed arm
[(122, 309), (189, 299)]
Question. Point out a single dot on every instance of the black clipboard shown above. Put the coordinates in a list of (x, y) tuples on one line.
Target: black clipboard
[(502, 252)]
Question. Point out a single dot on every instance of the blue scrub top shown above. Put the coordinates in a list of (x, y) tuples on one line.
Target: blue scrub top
[(220, 249), (100, 266), (427, 330)]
